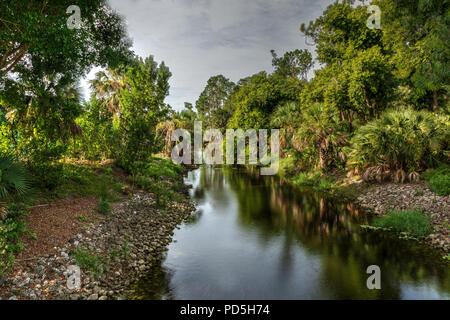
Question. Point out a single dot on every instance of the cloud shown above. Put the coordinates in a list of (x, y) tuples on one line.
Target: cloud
[(201, 38)]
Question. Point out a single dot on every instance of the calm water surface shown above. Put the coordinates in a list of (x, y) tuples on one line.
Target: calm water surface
[(254, 238)]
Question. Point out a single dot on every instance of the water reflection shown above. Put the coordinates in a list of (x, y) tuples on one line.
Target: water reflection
[(256, 238)]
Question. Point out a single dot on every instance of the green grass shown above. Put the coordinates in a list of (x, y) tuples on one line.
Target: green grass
[(89, 261), (286, 167), (418, 193), (82, 218), (316, 181), (411, 221), (438, 180), (440, 183), (77, 180), (161, 177)]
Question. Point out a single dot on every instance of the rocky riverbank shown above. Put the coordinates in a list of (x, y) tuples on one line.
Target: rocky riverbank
[(381, 198), (113, 252)]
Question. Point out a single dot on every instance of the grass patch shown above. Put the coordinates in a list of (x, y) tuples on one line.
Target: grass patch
[(157, 168), (71, 179), (160, 177), (82, 218), (438, 180), (316, 181), (89, 261), (418, 193), (410, 221)]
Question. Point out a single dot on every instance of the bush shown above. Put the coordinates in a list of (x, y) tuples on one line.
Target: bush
[(438, 180), (104, 207), (14, 180), (440, 183), (315, 181), (157, 168), (88, 261), (47, 175), (404, 139), (410, 221), (10, 231)]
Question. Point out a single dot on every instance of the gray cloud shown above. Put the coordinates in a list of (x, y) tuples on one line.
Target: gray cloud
[(201, 38)]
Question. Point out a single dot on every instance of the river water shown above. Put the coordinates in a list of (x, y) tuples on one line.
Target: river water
[(254, 237)]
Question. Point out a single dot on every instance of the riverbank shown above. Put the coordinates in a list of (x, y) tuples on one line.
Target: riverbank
[(378, 199), (381, 198), (111, 250)]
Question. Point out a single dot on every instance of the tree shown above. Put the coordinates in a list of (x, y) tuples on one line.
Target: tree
[(417, 32), (41, 112), (287, 117), (259, 96), (401, 140), (36, 32), (41, 61), (211, 102), (356, 77), (371, 82), (293, 64), (143, 107), (341, 26), (321, 127), (107, 86)]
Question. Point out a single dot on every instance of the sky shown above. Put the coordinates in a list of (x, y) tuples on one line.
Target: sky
[(198, 39)]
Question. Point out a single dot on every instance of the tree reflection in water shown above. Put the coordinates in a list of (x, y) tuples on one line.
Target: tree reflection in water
[(325, 233)]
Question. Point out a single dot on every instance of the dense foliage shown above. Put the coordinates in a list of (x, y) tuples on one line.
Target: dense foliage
[(377, 103)]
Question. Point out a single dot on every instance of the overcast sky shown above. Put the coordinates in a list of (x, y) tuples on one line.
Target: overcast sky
[(201, 38)]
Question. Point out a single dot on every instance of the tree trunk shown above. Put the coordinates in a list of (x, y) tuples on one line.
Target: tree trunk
[(349, 120), (435, 101), (323, 158)]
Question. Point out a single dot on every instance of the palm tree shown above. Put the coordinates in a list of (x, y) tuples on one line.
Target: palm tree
[(287, 118), (401, 141), (13, 181), (107, 86), (321, 126)]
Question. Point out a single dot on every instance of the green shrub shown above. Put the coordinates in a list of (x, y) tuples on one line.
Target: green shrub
[(88, 261), (13, 178), (440, 183), (438, 179), (304, 179), (410, 221), (405, 139), (10, 231), (47, 175), (313, 180), (104, 207)]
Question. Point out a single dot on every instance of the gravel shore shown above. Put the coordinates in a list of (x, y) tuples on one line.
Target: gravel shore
[(126, 243), (381, 198)]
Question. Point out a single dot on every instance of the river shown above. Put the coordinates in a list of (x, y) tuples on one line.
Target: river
[(254, 237)]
